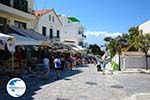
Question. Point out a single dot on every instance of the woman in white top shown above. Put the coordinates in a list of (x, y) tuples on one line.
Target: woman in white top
[(46, 66), (105, 59)]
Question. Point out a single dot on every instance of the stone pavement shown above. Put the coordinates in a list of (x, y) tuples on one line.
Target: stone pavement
[(136, 70), (91, 85), (85, 83)]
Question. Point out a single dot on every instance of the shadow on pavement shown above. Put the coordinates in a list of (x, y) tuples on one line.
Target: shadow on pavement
[(34, 84), (83, 65)]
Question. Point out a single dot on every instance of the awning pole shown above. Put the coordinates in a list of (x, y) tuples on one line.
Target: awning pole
[(12, 62)]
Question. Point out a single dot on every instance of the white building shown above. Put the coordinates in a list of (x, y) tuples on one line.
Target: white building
[(72, 31), (16, 12), (145, 27), (48, 24), (16, 16)]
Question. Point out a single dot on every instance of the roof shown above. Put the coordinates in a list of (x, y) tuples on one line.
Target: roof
[(39, 13), (73, 19), (146, 21)]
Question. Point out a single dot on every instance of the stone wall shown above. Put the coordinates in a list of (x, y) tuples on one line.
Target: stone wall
[(134, 62)]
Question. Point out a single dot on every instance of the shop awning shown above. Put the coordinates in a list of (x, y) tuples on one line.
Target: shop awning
[(28, 33), (80, 48), (8, 40), (20, 40), (76, 48)]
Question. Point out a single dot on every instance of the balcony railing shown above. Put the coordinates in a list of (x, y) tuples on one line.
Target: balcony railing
[(54, 39), (21, 5), (84, 36), (15, 12)]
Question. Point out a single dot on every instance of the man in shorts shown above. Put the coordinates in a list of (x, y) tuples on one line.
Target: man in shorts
[(58, 66)]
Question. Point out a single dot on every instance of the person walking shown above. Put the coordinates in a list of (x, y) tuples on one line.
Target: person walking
[(58, 66), (105, 59), (46, 66)]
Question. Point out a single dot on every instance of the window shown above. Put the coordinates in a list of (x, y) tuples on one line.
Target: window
[(79, 32), (53, 18), (21, 5), (20, 24), (58, 34), (49, 17), (2, 24), (80, 43), (5, 2), (51, 33), (44, 31)]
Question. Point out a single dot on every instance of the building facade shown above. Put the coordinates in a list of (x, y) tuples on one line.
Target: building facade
[(20, 13), (72, 31), (16, 13), (48, 24)]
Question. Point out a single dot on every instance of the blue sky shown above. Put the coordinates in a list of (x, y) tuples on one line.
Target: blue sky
[(102, 17)]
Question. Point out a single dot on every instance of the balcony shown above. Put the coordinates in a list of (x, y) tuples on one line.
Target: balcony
[(84, 36), (54, 39), (17, 4), (5, 9)]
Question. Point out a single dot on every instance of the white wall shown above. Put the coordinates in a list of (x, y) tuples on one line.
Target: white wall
[(145, 27), (70, 31), (44, 21)]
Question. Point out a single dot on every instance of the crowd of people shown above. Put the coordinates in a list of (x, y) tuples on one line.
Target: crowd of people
[(48, 59), (51, 59), (59, 61)]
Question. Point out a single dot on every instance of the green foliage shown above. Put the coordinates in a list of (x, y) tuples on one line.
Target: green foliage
[(135, 37), (133, 32), (113, 47), (95, 49), (108, 39), (115, 44), (142, 41)]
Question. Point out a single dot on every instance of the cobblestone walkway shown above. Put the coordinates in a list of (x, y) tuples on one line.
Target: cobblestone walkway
[(85, 83)]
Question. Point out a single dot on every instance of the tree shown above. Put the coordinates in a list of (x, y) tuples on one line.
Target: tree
[(142, 42), (95, 49), (115, 44), (108, 39), (133, 32)]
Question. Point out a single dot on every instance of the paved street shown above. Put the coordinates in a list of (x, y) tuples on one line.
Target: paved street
[(85, 83)]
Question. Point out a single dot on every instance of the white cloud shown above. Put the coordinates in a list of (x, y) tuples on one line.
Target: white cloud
[(102, 34)]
